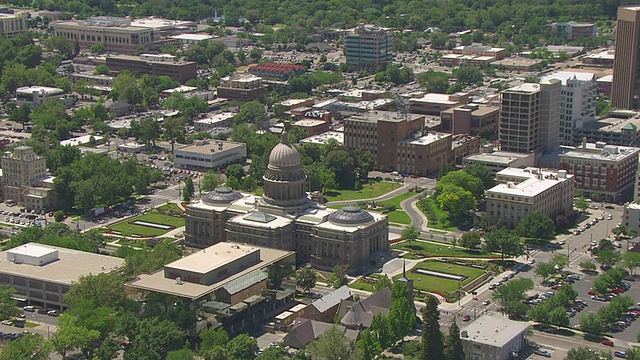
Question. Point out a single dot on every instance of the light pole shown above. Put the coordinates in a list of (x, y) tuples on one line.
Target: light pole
[(459, 291)]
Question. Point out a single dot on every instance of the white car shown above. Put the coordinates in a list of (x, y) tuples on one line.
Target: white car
[(594, 243), (486, 302), (531, 261), (561, 242)]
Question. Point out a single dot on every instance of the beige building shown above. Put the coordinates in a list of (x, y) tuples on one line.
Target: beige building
[(285, 218), (42, 274), (424, 155), (494, 338), (205, 155), (524, 191), (37, 95), (25, 181), (14, 24), (625, 93), (631, 217), (471, 119), (243, 88)]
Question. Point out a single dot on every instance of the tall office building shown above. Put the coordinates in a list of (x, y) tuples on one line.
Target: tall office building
[(578, 102), (530, 117), (625, 91), (369, 46)]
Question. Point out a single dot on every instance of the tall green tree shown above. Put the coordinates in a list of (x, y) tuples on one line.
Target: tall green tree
[(189, 190), (332, 345), (536, 225), (306, 278), (410, 233), (432, 341), (368, 345), (514, 290), (212, 338), (7, 303), (591, 323), (453, 345), (338, 276), (210, 180), (504, 241), (381, 328), (173, 130), (242, 347), (31, 346), (402, 314)]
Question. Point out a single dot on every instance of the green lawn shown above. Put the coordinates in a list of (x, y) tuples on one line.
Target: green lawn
[(438, 219), (398, 215), (170, 208), (372, 189), (435, 249), (365, 284), (128, 229), (443, 286)]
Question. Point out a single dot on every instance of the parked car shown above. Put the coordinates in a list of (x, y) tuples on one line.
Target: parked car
[(542, 352), (607, 342), (466, 318), (29, 308), (52, 313), (620, 354), (486, 302)]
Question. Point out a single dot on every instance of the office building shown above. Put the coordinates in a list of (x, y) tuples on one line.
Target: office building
[(472, 119), (286, 218), (14, 23), (25, 181), (631, 216), (625, 92), (497, 161), (606, 171), (380, 132), (524, 191), (435, 104), (578, 102), (221, 120), (163, 64), (37, 95), (369, 46), (206, 155), (463, 146), (618, 127), (189, 39), (424, 155), (573, 30), (494, 338), (481, 50), (42, 274), (242, 88), (530, 117)]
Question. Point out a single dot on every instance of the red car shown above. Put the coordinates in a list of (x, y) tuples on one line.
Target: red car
[(591, 292), (556, 287), (468, 317), (618, 290), (607, 342), (414, 176)]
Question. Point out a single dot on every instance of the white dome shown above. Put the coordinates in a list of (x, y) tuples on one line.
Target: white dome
[(284, 155)]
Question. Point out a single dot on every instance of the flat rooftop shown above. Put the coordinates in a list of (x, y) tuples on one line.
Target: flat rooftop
[(524, 88), (39, 89), (216, 118), (156, 282), (212, 257), (494, 331), (193, 37), (324, 137), (530, 187), (309, 123), (390, 116), (211, 145), (605, 152), (435, 98), (498, 157), (156, 59), (70, 266), (476, 110), (565, 76), (427, 139)]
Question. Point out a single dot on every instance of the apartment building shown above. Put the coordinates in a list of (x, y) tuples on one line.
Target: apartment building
[(380, 132), (25, 181), (163, 64), (607, 171), (369, 46), (424, 155), (625, 93), (578, 102), (13, 23), (524, 191), (472, 119), (530, 117), (631, 216), (243, 88)]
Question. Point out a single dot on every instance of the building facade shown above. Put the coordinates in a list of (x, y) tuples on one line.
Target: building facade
[(285, 218), (524, 191), (494, 338), (606, 171), (500, 160), (625, 92), (631, 216), (25, 181), (471, 119), (161, 65), (380, 132), (37, 95), (205, 155), (369, 46), (243, 88), (14, 24), (424, 155), (578, 102)]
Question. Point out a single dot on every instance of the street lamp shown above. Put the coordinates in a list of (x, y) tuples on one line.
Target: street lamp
[(459, 291)]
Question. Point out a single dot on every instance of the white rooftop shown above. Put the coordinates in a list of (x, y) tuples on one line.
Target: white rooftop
[(180, 89), (526, 87), (427, 139), (273, 221), (80, 140), (434, 98), (534, 184), (494, 331), (216, 118), (324, 137), (564, 76), (601, 151), (193, 37), (212, 257), (32, 249), (39, 89)]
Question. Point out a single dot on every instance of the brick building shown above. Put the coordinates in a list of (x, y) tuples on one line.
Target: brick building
[(164, 64)]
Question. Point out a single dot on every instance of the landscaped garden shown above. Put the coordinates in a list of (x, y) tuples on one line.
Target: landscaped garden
[(371, 189), (366, 283), (438, 218), (148, 225), (444, 284), (422, 248)]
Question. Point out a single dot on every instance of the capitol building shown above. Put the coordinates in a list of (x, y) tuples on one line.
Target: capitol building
[(286, 218)]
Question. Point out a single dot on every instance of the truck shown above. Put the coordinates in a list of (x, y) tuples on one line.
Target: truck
[(95, 212)]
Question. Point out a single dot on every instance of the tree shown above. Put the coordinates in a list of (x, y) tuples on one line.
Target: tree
[(368, 345), (559, 260), (464, 180), (235, 170), (21, 115), (410, 233), (332, 345), (581, 204), (505, 242), (544, 270), (437, 82), (341, 163), (210, 180), (631, 261), (71, 335), (101, 69), (402, 314), (251, 112), (31, 346), (364, 162), (516, 310), (483, 173), (588, 266), (381, 328), (608, 257), (536, 225), (242, 347), (514, 290), (338, 277), (468, 75), (471, 240), (591, 323), (277, 273), (7, 303), (212, 338), (189, 190), (582, 353), (456, 200), (98, 48), (381, 283), (453, 345), (173, 130), (432, 341), (255, 53), (241, 56), (306, 278), (105, 289), (146, 130)]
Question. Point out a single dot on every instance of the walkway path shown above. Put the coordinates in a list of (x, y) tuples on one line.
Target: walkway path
[(390, 195)]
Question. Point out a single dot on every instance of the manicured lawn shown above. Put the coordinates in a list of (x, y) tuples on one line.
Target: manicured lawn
[(127, 228), (440, 285), (365, 284), (438, 219), (435, 249), (372, 189), (398, 215), (171, 207)]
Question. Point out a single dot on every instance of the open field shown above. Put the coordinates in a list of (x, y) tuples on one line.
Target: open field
[(435, 249), (127, 229), (441, 285), (372, 189)]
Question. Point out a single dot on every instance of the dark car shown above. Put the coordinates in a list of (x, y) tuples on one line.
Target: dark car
[(466, 318), (620, 354)]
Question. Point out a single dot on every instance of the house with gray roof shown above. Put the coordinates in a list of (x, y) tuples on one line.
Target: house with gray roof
[(305, 331), (325, 308)]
